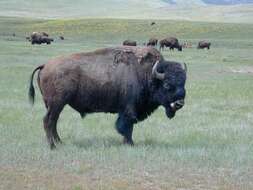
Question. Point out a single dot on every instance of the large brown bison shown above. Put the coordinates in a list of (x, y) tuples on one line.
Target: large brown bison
[(152, 42), (130, 81), (129, 43), (40, 38), (170, 42), (204, 44)]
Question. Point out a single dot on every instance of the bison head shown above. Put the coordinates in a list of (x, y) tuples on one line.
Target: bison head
[(169, 85)]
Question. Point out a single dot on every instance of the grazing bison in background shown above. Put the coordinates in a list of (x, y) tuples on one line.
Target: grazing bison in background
[(170, 42), (130, 81), (152, 23), (61, 37), (152, 42), (129, 43), (40, 38), (203, 45)]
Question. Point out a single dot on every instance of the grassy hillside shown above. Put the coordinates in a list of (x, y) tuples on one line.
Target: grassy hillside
[(194, 10), (116, 30), (208, 145)]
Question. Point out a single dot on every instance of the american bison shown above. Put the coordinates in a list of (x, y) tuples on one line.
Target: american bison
[(129, 43), (152, 42), (204, 44), (40, 38), (170, 42), (61, 37), (129, 81)]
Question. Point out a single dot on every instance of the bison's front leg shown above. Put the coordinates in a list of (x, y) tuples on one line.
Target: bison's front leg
[(124, 126)]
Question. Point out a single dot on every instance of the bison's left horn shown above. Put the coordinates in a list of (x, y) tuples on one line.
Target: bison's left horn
[(156, 74), (185, 67)]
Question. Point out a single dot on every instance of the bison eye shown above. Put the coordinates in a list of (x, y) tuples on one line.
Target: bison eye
[(168, 86)]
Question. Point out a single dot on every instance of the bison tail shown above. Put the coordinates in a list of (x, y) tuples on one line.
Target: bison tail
[(31, 93)]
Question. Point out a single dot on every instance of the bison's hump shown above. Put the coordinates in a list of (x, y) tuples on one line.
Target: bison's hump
[(140, 52)]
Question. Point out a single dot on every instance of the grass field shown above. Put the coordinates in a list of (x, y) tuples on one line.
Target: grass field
[(208, 145)]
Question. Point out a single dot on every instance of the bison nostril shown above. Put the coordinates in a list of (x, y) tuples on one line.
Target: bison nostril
[(177, 104), (180, 102)]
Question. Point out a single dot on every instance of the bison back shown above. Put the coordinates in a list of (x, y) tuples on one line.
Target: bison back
[(102, 80)]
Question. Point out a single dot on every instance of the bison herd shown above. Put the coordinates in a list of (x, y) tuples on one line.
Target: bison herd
[(169, 42)]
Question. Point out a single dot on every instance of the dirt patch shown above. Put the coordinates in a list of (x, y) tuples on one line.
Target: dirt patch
[(12, 178), (182, 179), (246, 70)]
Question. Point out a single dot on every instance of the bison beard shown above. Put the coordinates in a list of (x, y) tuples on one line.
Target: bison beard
[(130, 81)]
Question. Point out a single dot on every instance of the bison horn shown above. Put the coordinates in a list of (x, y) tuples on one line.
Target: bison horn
[(185, 67), (155, 73)]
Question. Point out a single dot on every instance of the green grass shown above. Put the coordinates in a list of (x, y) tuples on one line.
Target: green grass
[(208, 145)]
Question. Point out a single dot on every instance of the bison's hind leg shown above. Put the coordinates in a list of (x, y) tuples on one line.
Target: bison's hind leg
[(50, 123)]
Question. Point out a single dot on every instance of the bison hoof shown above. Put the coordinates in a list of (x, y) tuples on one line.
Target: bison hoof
[(52, 146), (128, 141), (58, 141)]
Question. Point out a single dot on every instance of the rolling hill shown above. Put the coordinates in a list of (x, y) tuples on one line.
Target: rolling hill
[(228, 2), (193, 10)]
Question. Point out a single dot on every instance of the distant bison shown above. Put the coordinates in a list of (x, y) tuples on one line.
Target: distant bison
[(40, 38), (204, 44), (61, 37), (129, 43), (152, 42), (152, 23), (130, 81), (170, 42)]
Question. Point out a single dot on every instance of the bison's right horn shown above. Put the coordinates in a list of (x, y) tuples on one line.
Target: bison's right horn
[(155, 73)]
